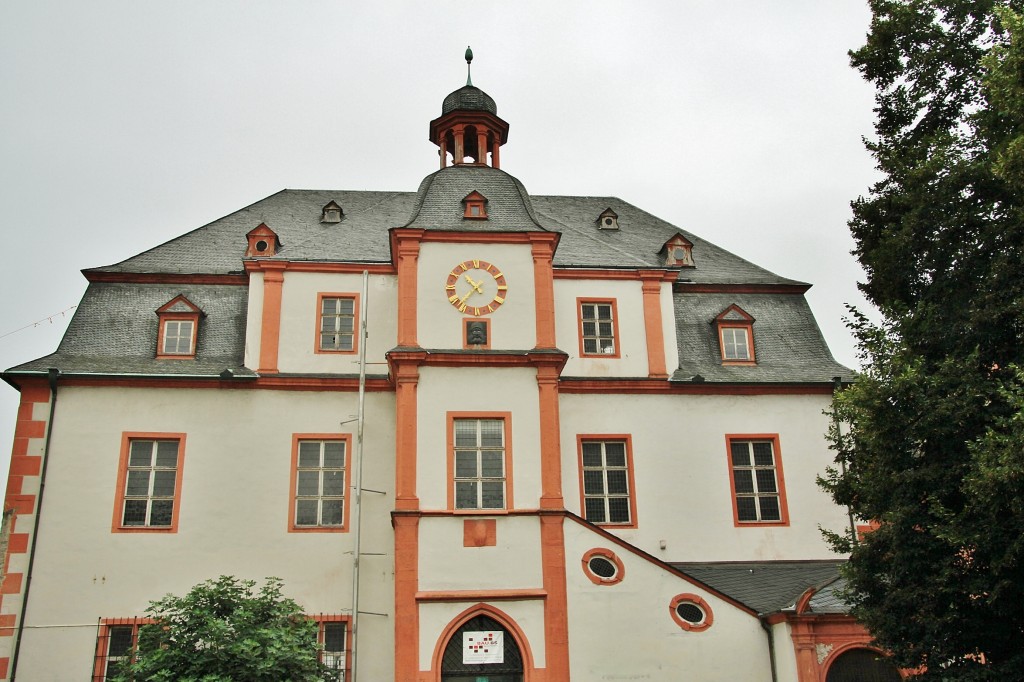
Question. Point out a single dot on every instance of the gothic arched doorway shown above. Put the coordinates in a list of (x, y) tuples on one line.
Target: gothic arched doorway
[(471, 654), (862, 665)]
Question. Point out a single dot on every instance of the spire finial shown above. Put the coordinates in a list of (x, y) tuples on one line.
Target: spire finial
[(469, 65)]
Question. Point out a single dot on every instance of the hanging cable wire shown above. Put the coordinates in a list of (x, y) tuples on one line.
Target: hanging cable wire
[(48, 318)]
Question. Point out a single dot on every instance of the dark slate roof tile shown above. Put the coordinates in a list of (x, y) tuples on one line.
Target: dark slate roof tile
[(788, 345), (765, 586), (114, 331)]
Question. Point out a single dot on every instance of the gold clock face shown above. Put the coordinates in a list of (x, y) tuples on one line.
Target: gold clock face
[(476, 287)]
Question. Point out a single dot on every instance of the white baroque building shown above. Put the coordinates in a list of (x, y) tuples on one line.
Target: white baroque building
[(584, 436)]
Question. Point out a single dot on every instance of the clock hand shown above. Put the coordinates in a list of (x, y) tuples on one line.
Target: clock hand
[(476, 285)]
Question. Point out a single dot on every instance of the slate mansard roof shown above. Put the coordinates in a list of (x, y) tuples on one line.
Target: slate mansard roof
[(114, 329)]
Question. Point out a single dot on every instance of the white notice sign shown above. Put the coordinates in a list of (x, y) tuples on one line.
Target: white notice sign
[(483, 647)]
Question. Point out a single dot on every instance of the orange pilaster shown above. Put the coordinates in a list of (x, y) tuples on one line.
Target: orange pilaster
[(556, 621), (651, 283), (407, 618), (406, 246), (543, 247), (270, 325), (550, 444)]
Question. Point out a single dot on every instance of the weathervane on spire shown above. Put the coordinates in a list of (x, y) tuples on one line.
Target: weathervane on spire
[(469, 65)]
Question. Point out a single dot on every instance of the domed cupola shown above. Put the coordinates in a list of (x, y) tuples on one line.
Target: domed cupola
[(469, 128)]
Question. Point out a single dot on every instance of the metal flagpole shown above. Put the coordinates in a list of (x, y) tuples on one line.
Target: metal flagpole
[(358, 487)]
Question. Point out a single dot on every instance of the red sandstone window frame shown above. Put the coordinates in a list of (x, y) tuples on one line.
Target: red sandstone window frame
[(615, 337), (322, 620), (293, 496), (610, 556), (475, 206), (317, 339), (508, 501), (780, 480), (127, 438), (724, 322), (627, 441), (699, 602), (103, 636), (166, 316)]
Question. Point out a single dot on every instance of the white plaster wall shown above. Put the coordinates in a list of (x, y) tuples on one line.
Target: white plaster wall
[(681, 470), (254, 320), (477, 389), (668, 325), (513, 563), (633, 616), (233, 514), (785, 653), (528, 615), (632, 341), (513, 325), (300, 321)]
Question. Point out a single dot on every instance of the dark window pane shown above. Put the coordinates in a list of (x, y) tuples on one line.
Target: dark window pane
[(763, 454), (766, 481), (491, 433), (308, 483), (309, 453), (332, 513), (602, 567), (605, 329), (167, 453), (595, 510), (138, 483), (745, 509), (334, 637), (305, 512), (618, 508), (493, 494), (492, 465), (161, 513), (617, 482), (465, 464), (465, 433), (589, 328), (119, 641), (134, 513), (740, 454), (604, 312), (615, 454), (334, 454), (330, 306), (163, 483), (591, 454), (690, 612), (744, 480), (141, 453), (334, 483), (593, 483), (589, 346), (465, 495), (770, 509)]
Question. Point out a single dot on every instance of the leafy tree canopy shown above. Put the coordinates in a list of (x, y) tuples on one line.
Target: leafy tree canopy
[(932, 444), (224, 630)]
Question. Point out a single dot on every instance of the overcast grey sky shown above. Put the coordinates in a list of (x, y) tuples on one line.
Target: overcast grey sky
[(124, 123)]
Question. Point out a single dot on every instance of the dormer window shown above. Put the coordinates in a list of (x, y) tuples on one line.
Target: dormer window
[(475, 206), (608, 220), (331, 213), (263, 242), (735, 329), (678, 252), (178, 329)]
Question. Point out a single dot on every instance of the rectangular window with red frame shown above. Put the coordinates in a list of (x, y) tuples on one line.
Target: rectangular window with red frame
[(115, 645), (320, 480), (337, 319), (332, 637), (479, 461), (149, 482), (758, 486), (606, 480), (599, 327)]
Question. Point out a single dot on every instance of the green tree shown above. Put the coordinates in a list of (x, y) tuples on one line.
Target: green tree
[(932, 445), (224, 630)]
